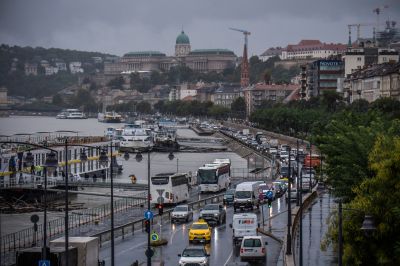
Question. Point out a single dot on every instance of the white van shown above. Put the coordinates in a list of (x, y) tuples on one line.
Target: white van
[(246, 195), (253, 249), (243, 224)]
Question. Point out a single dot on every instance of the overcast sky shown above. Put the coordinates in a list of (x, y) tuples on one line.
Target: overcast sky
[(120, 26)]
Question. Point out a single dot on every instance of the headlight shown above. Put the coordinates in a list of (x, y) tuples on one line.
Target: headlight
[(216, 214)]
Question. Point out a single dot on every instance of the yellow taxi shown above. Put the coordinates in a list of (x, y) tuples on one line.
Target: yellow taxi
[(200, 231)]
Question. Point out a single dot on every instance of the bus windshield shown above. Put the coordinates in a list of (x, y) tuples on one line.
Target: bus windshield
[(207, 176), (160, 180)]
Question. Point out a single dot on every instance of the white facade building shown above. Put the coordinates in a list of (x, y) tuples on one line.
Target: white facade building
[(358, 58), (75, 67)]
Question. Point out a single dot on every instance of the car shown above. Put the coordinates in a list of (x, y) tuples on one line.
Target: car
[(200, 231), (279, 190), (213, 214), (253, 248), (194, 255), (293, 194), (182, 213), (229, 196)]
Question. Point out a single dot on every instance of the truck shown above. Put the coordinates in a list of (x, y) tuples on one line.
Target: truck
[(88, 249), (246, 195), (274, 143), (243, 224)]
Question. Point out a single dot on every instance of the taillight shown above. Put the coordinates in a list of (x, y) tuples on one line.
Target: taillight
[(263, 250), (241, 250)]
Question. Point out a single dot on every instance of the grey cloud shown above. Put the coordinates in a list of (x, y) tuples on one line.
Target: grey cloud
[(125, 25)]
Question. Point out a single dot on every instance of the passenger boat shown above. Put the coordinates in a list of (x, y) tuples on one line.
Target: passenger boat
[(71, 114), (109, 117), (135, 138)]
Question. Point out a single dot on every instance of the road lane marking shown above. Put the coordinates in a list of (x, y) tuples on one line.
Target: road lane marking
[(229, 258)]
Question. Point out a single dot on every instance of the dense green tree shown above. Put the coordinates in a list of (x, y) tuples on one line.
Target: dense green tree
[(218, 111), (116, 83), (57, 100), (378, 196), (143, 107), (238, 107)]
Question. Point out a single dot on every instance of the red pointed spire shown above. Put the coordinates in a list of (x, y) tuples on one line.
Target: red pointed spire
[(244, 76)]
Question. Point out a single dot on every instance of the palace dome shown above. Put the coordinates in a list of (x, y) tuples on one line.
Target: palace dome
[(182, 38)]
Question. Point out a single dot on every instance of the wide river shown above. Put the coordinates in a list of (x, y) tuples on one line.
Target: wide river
[(159, 162)]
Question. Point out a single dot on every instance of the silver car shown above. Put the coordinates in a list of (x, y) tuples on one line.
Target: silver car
[(182, 213), (194, 255)]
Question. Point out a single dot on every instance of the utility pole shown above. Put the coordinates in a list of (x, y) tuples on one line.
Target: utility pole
[(148, 208), (112, 207), (66, 205), (289, 221)]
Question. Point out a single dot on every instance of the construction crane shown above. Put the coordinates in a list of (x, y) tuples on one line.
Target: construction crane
[(378, 11), (358, 26), (245, 33)]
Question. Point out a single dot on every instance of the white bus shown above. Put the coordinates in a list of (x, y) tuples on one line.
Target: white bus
[(214, 177), (169, 188)]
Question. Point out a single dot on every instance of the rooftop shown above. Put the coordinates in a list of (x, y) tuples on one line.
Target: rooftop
[(144, 54), (212, 51)]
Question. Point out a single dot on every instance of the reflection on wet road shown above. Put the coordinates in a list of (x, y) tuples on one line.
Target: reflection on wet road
[(314, 229), (221, 249)]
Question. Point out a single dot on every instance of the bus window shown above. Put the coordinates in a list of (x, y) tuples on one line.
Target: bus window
[(179, 180), (160, 180)]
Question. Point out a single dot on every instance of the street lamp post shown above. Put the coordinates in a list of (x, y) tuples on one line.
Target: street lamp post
[(148, 208), (66, 222), (50, 164), (301, 220), (368, 226), (139, 157), (289, 221), (298, 194), (103, 160), (310, 166)]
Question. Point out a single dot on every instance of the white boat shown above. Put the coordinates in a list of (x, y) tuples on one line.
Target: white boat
[(71, 114), (135, 138), (109, 117)]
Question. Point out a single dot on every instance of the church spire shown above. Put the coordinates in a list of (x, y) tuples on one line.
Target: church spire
[(244, 75)]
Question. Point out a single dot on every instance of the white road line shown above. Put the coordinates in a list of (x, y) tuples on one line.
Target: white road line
[(229, 258)]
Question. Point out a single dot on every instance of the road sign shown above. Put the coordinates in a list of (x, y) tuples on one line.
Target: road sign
[(44, 263), (148, 215), (160, 191), (34, 218), (160, 200), (269, 194), (154, 236), (149, 252)]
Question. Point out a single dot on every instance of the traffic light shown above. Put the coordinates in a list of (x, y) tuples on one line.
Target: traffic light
[(160, 209), (147, 226), (269, 203)]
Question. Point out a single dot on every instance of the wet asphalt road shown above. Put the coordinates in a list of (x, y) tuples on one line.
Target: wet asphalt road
[(221, 249)]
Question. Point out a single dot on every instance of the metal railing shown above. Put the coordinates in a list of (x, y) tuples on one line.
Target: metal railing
[(29, 237)]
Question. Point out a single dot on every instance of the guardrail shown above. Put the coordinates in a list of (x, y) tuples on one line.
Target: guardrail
[(29, 237), (129, 228)]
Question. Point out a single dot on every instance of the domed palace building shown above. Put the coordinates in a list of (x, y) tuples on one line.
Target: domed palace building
[(202, 60)]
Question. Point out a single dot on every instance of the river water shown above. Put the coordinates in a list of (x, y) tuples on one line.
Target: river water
[(159, 162)]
